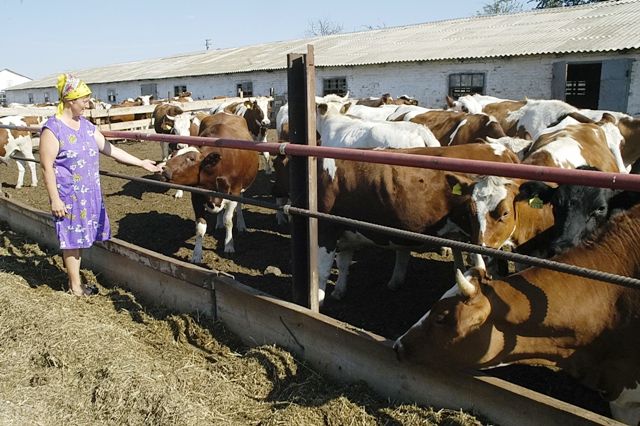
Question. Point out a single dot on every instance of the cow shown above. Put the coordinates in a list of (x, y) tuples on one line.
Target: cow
[(457, 128), (226, 170), (541, 317), (12, 141), (164, 122), (472, 104), (578, 211), (416, 200), (339, 130), (256, 113), (502, 215), (385, 99)]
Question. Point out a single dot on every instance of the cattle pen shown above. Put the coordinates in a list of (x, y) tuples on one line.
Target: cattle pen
[(332, 346)]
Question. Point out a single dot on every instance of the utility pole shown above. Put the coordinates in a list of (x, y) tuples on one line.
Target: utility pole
[(207, 43)]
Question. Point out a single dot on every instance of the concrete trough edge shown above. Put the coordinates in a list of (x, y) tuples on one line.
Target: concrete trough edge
[(340, 350)]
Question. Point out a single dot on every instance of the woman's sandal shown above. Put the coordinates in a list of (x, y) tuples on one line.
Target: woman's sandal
[(86, 291)]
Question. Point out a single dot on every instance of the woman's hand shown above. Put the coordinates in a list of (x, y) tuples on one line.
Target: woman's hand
[(58, 208), (150, 165)]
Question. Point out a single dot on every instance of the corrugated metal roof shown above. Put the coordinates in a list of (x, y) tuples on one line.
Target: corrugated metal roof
[(595, 27)]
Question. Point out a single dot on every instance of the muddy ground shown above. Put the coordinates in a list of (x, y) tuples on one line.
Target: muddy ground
[(150, 217)]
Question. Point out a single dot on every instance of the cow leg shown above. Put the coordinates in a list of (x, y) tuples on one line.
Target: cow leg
[(34, 174), (265, 163), (325, 262), (201, 230), (198, 204), (21, 169), (343, 261), (241, 226), (228, 224), (399, 270), (164, 147), (27, 151)]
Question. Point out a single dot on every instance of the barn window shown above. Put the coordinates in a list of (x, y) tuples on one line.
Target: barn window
[(111, 95), (30, 96), (46, 97), (149, 89), (177, 90), (3, 99), (466, 84), (336, 85), (244, 89)]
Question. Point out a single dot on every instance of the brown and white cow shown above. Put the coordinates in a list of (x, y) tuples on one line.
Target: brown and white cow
[(256, 113), (385, 99), (12, 141), (411, 199), (458, 128), (225, 170), (541, 317), (501, 215)]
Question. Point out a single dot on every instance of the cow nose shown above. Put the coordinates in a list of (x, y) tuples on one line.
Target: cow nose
[(166, 174)]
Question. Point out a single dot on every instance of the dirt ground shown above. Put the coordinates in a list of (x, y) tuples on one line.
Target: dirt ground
[(150, 217)]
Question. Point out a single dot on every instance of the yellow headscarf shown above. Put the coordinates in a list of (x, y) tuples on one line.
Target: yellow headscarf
[(70, 88)]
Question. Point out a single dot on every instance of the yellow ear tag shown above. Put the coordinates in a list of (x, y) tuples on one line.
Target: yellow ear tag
[(457, 189), (536, 202)]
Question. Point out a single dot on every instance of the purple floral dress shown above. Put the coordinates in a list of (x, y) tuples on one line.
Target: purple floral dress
[(78, 181)]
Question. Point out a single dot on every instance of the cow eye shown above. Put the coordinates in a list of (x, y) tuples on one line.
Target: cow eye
[(504, 215), (600, 211)]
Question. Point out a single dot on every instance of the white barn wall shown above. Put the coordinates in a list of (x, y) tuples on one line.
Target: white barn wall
[(511, 78)]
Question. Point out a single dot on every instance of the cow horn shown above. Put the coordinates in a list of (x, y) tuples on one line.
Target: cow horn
[(465, 286), (478, 261), (170, 117)]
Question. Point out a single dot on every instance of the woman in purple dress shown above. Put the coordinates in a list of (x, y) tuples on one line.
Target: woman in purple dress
[(69, 157)]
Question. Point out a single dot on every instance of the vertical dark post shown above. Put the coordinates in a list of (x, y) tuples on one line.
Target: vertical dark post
[(302, 130)]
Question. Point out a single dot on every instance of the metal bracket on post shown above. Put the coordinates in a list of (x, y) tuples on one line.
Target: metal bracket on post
[(302, 130)]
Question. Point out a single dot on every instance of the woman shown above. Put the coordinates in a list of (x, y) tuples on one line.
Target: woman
[(69, 147)]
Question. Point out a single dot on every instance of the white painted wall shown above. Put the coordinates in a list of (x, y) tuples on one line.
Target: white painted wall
[(9, 78), (511, 78)]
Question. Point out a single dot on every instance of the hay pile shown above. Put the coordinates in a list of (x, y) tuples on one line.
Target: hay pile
[(109, 360)]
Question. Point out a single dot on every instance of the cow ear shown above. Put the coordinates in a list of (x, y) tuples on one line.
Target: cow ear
[(450, 101), (248, 104), (607, 118), (459, 184), (322, 108), (532, 189), (345, 108), (210, 160)]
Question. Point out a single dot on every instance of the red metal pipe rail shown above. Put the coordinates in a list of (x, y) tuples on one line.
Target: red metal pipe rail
[(523, 171)]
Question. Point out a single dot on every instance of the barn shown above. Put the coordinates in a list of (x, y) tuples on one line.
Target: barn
[(586, 55), (9, 78)]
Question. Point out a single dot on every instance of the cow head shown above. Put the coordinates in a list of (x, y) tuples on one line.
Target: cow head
[(492, 212), (184, 167), (477, 126), (578, 211), (458, 329)]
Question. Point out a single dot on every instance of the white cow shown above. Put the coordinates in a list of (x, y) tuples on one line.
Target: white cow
[(339, 130)]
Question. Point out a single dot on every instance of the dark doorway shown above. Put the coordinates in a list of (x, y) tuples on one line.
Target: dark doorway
[(583, 85)]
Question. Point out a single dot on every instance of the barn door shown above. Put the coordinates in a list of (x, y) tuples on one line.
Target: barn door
[(614, 84), (558, 80)]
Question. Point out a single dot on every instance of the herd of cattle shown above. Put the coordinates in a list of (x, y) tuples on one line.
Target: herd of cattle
[(534, 316)]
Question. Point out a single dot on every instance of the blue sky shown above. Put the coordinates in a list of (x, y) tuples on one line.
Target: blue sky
[(42, 37)]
